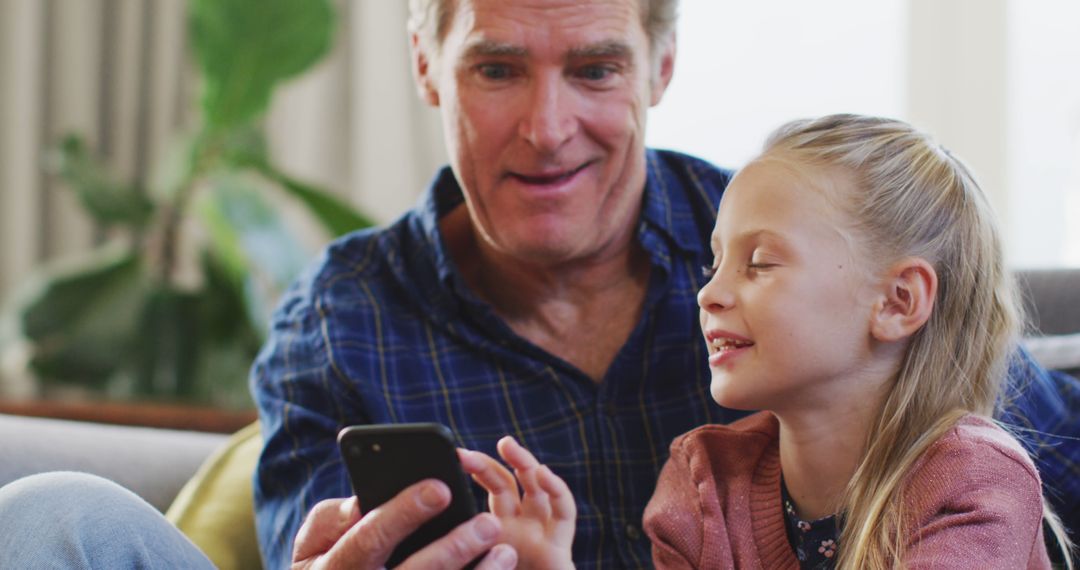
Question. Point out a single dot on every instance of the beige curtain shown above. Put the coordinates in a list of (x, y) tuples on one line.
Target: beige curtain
[(118, 72), (111, 70), (355, 123)]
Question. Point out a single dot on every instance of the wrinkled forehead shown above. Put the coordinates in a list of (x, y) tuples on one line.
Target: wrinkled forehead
[(565, 24)]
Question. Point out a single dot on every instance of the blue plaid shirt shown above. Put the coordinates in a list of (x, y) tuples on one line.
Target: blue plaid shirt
[(383, 329)]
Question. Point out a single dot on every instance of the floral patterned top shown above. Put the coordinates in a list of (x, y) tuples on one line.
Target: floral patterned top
[(815, 542)]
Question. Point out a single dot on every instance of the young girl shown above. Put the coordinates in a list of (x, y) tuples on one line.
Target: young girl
[(857, 294)]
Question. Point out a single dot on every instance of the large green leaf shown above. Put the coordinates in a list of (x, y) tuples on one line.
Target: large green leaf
[(108, 201), (245, 47), (167, 343), (230, 340), (244, 145), (248, 232), (81, 318), (336, 216), (223, 373), (224, 314), (251, 247)]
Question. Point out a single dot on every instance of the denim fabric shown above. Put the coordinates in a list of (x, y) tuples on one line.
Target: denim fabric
[(81, 521)]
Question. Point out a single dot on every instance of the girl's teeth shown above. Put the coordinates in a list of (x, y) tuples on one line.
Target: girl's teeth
[(728, 344)]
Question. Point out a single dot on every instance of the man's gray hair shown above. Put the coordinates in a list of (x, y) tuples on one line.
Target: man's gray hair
[(429, 19)]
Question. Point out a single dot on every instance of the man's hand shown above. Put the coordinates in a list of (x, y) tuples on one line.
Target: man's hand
[(334, 535), (539, 521)]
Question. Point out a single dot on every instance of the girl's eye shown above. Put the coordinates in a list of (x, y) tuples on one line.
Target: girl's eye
[(708, 271)]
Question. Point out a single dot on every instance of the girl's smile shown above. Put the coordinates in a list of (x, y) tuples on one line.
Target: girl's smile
[(725, 346)]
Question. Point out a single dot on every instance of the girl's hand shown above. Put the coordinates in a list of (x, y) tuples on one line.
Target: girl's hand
[(538, 521)]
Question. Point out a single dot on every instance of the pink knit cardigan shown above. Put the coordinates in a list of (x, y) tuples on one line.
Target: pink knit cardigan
[(975, 499)]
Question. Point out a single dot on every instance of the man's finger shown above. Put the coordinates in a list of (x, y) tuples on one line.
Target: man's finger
[(325, 524), (370, 542), (462, 545)]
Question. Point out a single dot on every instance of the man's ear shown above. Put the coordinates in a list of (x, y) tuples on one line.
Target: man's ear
[(423, 71), (665, 68), (906, 300)]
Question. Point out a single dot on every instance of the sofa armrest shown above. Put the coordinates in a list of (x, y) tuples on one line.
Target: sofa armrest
[(153, 463), (1052, 300)]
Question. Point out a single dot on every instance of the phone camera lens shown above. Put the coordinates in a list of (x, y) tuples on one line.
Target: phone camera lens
[(376, 447), (356, 450)]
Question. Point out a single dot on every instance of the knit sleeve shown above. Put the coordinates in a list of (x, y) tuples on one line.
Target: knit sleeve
[(976, 504), (673, 517)]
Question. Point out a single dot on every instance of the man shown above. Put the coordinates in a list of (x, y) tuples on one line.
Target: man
[(546, 289)]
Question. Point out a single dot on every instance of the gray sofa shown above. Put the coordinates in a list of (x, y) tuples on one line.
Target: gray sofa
[(155, 463)]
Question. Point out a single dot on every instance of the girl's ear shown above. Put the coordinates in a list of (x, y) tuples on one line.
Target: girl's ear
[(907, 300)]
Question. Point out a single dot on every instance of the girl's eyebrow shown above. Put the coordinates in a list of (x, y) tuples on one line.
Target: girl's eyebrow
[(752, 235), (762, 233)]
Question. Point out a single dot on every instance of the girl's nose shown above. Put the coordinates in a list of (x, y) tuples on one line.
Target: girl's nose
[(715, 296)]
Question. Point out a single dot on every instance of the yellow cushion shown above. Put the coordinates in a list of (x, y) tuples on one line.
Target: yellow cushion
[(215, 508)]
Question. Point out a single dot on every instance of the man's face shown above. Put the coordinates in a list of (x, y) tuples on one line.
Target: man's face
[(543, 105)]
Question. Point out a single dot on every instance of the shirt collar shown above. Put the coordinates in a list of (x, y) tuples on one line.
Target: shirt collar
[(663, 210), (443, 195), (664, 207)]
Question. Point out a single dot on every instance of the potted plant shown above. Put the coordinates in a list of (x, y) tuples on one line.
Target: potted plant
[(175, 303)]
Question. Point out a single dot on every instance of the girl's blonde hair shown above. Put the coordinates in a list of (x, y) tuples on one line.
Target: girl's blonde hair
[(913, 198)]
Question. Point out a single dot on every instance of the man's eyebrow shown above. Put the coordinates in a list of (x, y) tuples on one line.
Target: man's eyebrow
[(611, 48), (489, 48)]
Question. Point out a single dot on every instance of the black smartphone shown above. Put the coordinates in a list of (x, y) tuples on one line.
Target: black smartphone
[(384, 459)]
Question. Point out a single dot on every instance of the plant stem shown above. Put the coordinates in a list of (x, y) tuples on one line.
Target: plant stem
[(174, 210)]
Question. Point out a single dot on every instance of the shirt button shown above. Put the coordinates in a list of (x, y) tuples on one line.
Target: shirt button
[(633, 532)]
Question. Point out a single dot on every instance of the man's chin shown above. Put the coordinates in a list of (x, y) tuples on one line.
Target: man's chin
[(545, 246)]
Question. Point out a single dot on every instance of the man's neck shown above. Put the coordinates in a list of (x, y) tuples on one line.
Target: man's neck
[(582, 311)]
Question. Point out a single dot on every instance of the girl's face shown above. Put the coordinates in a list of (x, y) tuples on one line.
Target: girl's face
[(786, 314)]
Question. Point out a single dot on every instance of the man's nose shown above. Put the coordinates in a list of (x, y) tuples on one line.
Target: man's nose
[(550, 119)]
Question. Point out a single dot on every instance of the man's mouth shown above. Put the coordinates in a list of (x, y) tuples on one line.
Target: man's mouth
[(549, 178)]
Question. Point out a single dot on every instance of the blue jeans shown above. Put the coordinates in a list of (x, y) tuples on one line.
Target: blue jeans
[(77, 520)]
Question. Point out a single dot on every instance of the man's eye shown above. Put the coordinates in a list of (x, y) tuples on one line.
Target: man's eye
[(708, 271), (595, 72), (494, 71)]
